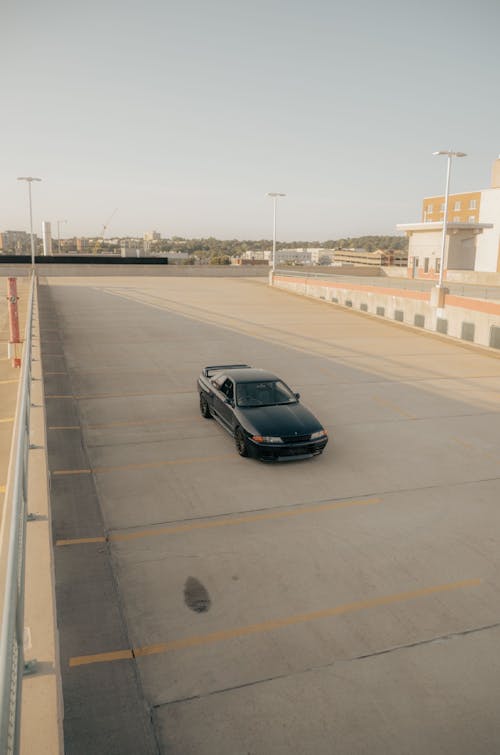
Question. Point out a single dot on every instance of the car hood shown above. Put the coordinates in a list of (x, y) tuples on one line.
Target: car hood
[(286, 419)]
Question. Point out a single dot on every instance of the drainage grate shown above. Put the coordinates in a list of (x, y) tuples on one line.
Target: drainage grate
[(495, 337), (363, 307), (348, 303), (399, 315), (380, 311), (419, 321), (335, 300), (442, 325), (468, 331)]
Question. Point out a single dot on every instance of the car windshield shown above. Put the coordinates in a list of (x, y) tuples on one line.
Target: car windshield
[(266, 393)]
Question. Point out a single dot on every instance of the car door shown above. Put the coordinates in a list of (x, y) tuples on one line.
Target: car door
[(224, 402)]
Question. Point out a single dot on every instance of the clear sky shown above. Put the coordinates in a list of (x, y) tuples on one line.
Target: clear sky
[(184, 113)]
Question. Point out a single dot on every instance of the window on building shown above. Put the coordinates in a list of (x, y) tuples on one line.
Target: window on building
[(426, 265), (457, 206), (473, 204), (471, 219), (430, 209), (438, 266), (442, 207), (456, 218), (415, 262)]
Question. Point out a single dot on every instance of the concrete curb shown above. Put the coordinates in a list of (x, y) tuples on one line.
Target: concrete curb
[(41, 715)]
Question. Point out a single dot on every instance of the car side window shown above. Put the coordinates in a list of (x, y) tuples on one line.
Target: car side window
[(228, 389)]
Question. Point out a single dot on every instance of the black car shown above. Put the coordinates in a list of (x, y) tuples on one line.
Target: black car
[(260, 411)]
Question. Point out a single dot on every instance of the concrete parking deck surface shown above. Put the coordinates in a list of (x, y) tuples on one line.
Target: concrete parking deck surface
[(351, 601)]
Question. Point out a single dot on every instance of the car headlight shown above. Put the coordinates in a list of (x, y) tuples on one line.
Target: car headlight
[(319, 434), (266, 439)]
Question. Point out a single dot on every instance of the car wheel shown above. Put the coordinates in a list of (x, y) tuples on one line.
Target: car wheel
[(204, 407), (241, 442)]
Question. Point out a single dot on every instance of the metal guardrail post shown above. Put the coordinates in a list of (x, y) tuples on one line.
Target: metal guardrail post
[(14, 519)]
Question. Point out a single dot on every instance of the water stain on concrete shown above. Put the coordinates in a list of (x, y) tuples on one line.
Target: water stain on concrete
[(196, 595)]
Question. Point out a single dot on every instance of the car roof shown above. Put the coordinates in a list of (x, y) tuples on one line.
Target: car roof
[(247, 375)]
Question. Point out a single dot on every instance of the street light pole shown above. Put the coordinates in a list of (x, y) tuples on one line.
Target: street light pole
[(59, 234), (29, 180), (275, 195), (449, 154)]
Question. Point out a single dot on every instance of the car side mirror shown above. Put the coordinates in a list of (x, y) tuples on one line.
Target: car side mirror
[(297, 396), (229, 401)]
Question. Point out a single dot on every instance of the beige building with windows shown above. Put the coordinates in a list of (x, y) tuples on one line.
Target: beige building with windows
[(473, 237)]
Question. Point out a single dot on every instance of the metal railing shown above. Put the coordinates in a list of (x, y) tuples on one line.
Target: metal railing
[(472, 290), (12, 554)]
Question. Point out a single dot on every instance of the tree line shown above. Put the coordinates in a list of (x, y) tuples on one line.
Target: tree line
[(207, 248)]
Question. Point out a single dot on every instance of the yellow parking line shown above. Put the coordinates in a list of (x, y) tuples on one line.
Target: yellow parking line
[(2, 488), (81, 541), (90, 397), (270, 626), (226, 522), (60, 472), (394, 407), (117, 655), (131, 423), (144, 465), (283, 514), (6, 382), (144, 422), (7, 419)]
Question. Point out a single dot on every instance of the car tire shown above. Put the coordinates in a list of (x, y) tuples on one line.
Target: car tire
[(204, 407), (241, 442)]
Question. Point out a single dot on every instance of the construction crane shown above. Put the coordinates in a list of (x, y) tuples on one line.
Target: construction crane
[(99, 241)]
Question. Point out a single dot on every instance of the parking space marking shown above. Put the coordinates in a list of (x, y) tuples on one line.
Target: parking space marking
[(127, 423), (270, 626), (116, 655), (91, 397), (61, 472), (145, 465), (81, 541), (63, 427), (226, 521), (6, 419), (2, 488), (7, 382), (394, 407), (145, 422)]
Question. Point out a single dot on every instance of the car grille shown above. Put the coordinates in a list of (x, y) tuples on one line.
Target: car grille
[(295, 438)]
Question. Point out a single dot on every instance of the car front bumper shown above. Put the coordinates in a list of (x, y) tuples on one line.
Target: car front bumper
[(286, 451)]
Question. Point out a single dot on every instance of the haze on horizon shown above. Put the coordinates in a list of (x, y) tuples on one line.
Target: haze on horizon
[(183, 114)]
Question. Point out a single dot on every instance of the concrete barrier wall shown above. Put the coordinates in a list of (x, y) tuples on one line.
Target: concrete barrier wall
[(156, 271), (473, 320)]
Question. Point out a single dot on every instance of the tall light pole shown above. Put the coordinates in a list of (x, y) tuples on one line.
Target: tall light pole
[(449, 154), (59, 234), (275, 195), (29, 180)]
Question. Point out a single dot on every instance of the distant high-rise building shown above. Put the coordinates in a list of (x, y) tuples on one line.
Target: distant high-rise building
[(46, 237), (152, 236), (82, 244)]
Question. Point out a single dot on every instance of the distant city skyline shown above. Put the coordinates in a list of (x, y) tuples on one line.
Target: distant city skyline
[(183, 115)]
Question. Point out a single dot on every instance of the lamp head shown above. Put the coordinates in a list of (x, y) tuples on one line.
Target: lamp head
[(449, 153)]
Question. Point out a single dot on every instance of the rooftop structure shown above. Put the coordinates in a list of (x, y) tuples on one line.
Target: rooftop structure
[(473, 234)]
